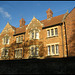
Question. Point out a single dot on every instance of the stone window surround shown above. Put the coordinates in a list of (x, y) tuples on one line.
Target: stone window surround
[(5, 39), (53, 30), (34, 30), (3, 49), (54, 48), (21, 40), (34, 49), (18, 49)]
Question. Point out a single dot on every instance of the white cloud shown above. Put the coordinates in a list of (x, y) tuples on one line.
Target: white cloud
[(4, 13)]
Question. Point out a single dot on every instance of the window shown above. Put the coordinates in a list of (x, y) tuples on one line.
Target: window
[(36, 35), (57, 49), (52, 32), (18, 53), (32, 50), (32, 35), (56, 31), (48, 33), (52, 49), (16, 39), (48, 50), (5, 52), (6, 40), (36, 50), (21, 38)]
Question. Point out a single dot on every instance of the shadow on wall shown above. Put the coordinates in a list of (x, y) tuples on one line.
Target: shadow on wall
[(25, 45)]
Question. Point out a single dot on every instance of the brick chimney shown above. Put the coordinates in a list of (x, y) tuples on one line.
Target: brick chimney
[(49, 13), (22, 22)]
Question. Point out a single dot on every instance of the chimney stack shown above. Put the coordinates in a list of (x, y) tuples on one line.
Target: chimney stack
[(22, 22), (49, 13)]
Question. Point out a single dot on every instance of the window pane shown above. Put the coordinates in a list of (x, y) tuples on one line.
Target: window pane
[(32, 35), (32, 50), (48, 32), (48, 50), (20, 53), (52, 49), (36, 51), (56, 32), (37, 35), (52, 32), (6, 52), (16, 53), (4, 39), (21, 38), (57, 49), (17, 39), (3, 52), (7, 40)]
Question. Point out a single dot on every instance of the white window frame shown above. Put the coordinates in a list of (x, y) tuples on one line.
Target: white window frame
[(57, 50), (33, 34), (18, 53), (49, 50), (5, 40), (17, 40), (48, 33), (3, 53), (54, 48), (56, 32), (34, 46), (37, 36)]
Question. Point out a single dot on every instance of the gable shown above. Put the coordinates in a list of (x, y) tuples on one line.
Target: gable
[(8, 28), (34, 23), (71, 15)]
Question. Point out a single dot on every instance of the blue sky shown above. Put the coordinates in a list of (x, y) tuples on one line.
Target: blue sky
[(13, 11)]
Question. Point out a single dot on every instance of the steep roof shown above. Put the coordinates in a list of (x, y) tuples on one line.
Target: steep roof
[(53, 20), (13, 27), (46, 22), (21, 29)]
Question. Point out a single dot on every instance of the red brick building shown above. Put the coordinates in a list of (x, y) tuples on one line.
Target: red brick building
[(49, 38)]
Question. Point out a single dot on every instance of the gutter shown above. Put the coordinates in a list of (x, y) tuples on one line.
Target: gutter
[(52, 25), (19, 34)]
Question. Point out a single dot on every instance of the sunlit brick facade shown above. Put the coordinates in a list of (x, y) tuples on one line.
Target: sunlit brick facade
[(49, 38)]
